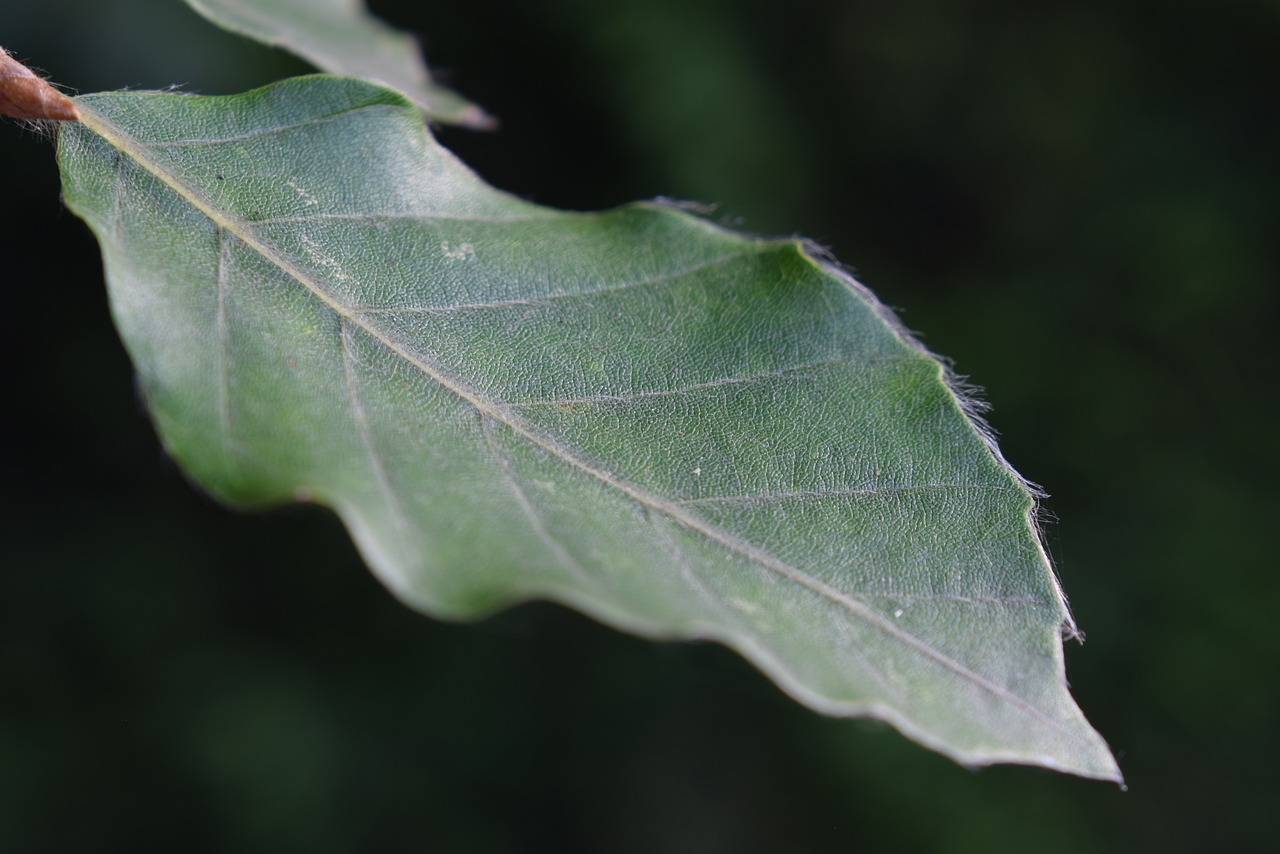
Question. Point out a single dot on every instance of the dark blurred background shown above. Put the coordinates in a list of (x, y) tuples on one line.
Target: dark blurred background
[(1077, 201)]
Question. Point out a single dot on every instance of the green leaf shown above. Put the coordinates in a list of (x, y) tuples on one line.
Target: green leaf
[(340, 37), (681, 431)]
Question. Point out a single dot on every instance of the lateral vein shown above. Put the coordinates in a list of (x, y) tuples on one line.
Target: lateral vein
[(122, 141)]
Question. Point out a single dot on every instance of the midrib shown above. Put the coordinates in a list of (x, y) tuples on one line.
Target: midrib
[(123, 142)]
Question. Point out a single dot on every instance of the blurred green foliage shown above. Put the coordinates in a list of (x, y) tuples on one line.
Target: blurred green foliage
[(1078, 202)]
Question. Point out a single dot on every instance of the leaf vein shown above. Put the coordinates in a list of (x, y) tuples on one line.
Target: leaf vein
[(667, 275), (748, 499), (963, 600), (855, 607), (410, 216), (269, 131), (224, 354), (526, 506), (116, 194), (720, 383), (366, 432)]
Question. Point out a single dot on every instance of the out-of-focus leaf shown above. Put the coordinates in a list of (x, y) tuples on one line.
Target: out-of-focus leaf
[(341, 37), (679, 430)]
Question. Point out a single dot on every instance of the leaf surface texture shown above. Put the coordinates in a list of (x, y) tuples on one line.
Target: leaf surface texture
[(681, 431)]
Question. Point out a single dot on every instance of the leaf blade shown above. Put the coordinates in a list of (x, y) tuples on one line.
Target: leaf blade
[(341, 37), (533, 403)]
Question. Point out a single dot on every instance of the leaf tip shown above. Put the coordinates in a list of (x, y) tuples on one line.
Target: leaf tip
[(471, 117)]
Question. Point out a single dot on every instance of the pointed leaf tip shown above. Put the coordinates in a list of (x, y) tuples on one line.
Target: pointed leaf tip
[(23, 95), (681, 431)]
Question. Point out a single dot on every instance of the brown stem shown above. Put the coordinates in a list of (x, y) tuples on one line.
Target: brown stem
[(23, 95)]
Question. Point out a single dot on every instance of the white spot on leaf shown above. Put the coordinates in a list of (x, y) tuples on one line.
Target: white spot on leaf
[(461, 252)]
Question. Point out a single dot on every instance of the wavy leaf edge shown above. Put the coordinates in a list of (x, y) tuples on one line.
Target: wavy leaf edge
[(963, 395)]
